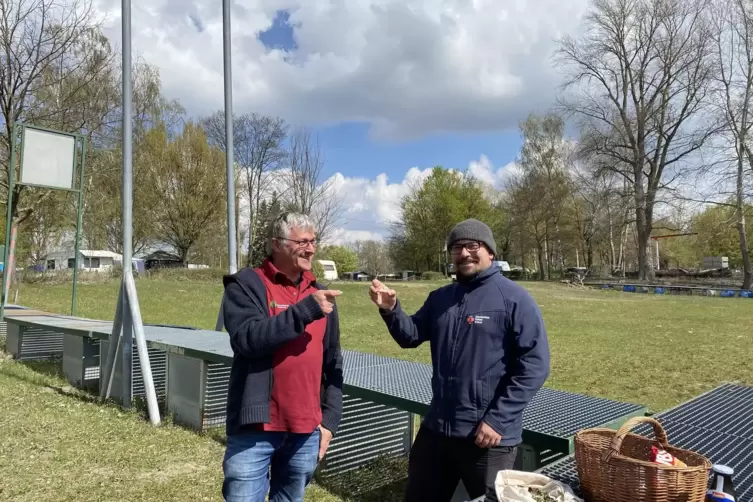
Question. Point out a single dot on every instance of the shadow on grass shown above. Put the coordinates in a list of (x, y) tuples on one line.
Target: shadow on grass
[(50, 367), (382, 480), (43, 370)]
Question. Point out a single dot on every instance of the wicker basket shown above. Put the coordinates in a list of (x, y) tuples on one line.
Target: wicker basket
[(614, 466)]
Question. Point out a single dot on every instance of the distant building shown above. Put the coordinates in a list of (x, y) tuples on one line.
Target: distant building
[(330, 270), (162, 259), (89, 260)]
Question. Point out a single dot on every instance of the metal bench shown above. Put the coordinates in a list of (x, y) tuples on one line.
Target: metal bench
[(717, 424), (382, 395)]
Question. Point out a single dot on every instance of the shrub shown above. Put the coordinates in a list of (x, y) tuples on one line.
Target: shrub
[(317, 270), (187, 274), (432, 276)]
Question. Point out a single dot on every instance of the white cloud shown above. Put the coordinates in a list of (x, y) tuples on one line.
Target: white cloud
[(372, 204), (407, 67)]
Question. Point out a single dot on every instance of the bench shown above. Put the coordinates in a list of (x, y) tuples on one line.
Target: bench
[(382, 395)]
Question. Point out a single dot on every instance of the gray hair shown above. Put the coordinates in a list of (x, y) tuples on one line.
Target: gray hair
[(281, 226)]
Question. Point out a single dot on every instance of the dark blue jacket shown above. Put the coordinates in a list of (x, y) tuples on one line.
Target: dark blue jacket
[(255, 336), (489, 352)]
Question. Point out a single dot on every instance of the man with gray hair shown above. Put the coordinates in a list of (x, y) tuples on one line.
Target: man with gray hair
[(490, 355), (285, 393)]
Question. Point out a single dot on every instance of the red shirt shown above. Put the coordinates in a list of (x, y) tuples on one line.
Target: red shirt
[(295, 405)]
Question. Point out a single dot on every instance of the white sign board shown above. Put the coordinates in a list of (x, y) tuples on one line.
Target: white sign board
[(47, 159)]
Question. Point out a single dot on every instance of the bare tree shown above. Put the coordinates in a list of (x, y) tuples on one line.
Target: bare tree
[(732, 36), (641, 76), (56, 71), (545, 185), (307, 192), (258, 150), (374, 257)]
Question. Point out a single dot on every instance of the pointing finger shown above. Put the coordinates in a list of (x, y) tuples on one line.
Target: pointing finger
[(332, 292)]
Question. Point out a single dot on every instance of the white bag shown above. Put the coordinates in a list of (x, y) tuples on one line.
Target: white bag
[(513, 486)]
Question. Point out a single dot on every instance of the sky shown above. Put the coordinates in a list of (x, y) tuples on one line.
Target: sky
[(391, 87)]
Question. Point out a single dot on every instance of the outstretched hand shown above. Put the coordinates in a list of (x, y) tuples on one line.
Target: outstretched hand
[(326, 299), (382, 296)]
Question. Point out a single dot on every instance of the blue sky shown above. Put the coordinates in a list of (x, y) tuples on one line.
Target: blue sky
[(349, 149), (392, 87)]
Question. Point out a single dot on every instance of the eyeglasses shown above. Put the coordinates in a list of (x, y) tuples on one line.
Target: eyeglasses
[(472, 247), (301, 244)]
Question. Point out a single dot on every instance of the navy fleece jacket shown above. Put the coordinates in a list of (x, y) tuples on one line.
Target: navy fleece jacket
[(489, 351)]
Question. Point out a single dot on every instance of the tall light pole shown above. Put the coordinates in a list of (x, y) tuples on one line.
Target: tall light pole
[(232, 262), (127, 311)]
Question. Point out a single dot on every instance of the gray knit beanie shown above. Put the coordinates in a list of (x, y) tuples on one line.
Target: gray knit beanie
[(475, 230)]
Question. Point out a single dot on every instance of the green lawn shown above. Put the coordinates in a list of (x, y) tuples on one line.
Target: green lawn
[(57, 445)]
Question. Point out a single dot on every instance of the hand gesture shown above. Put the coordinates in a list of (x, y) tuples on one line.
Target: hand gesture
[(384, 297), (486, 437), (326, 299)]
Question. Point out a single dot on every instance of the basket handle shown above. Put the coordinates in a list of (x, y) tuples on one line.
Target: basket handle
[(616, 444)]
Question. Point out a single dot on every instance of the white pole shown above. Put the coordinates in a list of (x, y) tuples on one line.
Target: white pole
[(232, 265), (132, 315)]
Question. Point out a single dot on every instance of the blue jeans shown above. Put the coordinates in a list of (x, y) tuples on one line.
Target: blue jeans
[(280, 463)]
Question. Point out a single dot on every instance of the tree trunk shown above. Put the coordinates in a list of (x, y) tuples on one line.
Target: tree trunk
[(612, 253), (643, 230), (541, 252), (740, 212), (622, 266)]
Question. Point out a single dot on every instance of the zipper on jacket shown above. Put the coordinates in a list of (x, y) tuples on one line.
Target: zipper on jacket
[(456, 329), (449, 418)]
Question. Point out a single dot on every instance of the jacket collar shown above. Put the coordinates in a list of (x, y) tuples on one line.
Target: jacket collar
[(481, 277)]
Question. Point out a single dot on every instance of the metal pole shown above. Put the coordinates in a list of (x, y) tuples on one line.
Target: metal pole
[(146, 370), (79, 222), (229, 162), (135, 325), (127, 141), (108, 370), (8, 222)]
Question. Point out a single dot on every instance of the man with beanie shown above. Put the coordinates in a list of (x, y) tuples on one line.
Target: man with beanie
[(490, 355)]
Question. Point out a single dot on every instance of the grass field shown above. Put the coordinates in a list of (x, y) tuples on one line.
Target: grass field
[(58, 445)]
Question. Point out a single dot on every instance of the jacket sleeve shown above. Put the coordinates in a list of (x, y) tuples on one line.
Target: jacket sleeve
[(531, 370), (332, 376), (254, 333), (409, 331)]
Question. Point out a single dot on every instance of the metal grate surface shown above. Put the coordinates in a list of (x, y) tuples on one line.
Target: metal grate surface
[(727, 408), (215, 394), (403, 380), (367, 432), (91, 373), (353, 360), (720, 448), (562, 414), (718, 424), (39, 343), (158, 363), (551, 412)]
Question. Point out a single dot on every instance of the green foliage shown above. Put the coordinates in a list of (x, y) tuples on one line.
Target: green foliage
[(429, 213), (187, 186), (718, 235), (268, 211), (345, 258), (317, 270), (430, 275)]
